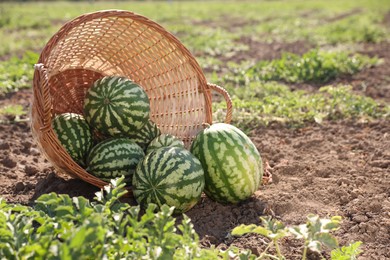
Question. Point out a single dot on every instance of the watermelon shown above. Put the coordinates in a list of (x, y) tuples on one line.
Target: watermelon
[(164, 140), (232, 164), (116, 106), (169, 175), (74, 134), (113, 158), (148, 132)]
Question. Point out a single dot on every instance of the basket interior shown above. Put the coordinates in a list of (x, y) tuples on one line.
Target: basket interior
[(129, 45)]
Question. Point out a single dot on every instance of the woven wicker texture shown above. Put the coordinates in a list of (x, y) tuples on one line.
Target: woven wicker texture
[(119, 43)]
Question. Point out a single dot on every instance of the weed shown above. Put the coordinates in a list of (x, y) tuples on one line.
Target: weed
[(261, 103), (17, 73), (314, 66), (315, 233)]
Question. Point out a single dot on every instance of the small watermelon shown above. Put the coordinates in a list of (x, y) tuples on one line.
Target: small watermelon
[(164, 140), (74, 134), (113, 158), (116, 106), (232, 164), (147, 133), (169, 175)]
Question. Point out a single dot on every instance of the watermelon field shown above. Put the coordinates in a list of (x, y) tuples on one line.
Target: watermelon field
[(310, 86)]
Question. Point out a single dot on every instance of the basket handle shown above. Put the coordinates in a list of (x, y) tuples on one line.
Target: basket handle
[(225, 94), (42, 94)]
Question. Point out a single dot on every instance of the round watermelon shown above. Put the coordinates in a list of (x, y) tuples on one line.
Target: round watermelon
[(232, 164), (164, 140), (147, 133), (113, 158), (116, 106), (169, 175), (74, 134)]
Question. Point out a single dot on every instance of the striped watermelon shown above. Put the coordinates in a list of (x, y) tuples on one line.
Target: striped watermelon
[(148, 132), (164, 140), (113, 158), (233, 166), (116, 106), (169, 175), (74, 134)]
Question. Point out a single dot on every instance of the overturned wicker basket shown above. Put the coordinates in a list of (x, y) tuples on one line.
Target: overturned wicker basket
[(121, 43)]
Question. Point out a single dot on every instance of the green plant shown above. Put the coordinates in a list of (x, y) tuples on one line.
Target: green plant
[(314, 66), (11, 113), (349, 252), (260, 103), (61, 227), (17, 73), (315, 234)]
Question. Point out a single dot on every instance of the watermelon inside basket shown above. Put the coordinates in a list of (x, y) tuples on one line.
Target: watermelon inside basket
[(119, 43)]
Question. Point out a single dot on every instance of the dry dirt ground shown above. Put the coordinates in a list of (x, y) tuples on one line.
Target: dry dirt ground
[(338, 168)]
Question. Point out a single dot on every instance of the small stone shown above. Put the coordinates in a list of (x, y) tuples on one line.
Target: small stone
[(360, 218), (8, 162), (381, 164), (19, 186), (30, 170), (23, 162), (342, 181), (375, 207), (4, 146), (34, 151)]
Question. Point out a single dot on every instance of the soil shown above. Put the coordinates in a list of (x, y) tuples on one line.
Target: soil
[(337, 168)]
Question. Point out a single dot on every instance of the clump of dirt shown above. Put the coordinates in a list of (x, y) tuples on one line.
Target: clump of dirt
[(267, 51)]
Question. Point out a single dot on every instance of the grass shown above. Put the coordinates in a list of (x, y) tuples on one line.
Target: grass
[(212, 31), (17, 73), (11, 113), (315, 66), (28, 26), (261, 103)]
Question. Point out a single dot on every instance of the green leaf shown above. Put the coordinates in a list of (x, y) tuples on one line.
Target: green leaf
[(328, 240), (349, 252), (245, 229)]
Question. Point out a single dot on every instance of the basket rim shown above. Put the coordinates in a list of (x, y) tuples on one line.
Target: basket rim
[(62, 32)]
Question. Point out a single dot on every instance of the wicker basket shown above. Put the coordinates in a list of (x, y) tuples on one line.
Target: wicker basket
[(126, 44)]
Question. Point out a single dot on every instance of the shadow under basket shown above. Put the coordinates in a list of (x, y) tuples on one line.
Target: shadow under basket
[(120, 43)]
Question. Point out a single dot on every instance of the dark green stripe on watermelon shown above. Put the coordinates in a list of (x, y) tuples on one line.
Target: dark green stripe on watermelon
[(233, 166), (147, 133), (74, 134), (171, 176), (116, 106), (113, 158), (164, 140)]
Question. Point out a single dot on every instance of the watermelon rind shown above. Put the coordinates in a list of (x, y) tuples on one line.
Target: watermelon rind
[(114, 157), (116, 106), (146, 134), (164, 140), (169, 175), (74, 134), (232, 164)]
